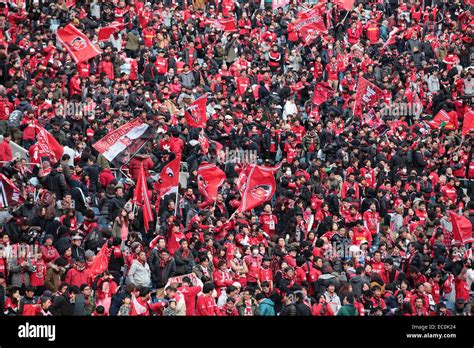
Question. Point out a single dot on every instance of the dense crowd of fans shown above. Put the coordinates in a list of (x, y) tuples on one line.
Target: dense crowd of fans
[(359, 222)]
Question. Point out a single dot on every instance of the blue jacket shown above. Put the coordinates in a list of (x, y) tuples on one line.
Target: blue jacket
[(267, 308)]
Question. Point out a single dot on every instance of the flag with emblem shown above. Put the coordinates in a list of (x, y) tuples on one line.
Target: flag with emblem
[(77, 44), (196, 112)]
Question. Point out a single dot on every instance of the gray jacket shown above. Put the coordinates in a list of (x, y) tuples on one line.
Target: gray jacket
[(187, 79), (20, 274), (139, 274)]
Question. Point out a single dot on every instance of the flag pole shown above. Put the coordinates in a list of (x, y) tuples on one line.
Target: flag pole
[(176, 203)]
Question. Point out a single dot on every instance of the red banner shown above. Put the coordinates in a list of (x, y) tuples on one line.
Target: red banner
[(468, 123), (367, 95), (445, 120), (168, 180), (105, 32), (196, 113), (77, 44), (259, 188), (142, 199), (462, 229), (210, 178), (47, 144)]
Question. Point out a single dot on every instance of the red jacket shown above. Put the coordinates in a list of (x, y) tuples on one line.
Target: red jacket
[(206, 306), (189, 294), (76, 277), (268, 222), (5, 152), (106, 177)]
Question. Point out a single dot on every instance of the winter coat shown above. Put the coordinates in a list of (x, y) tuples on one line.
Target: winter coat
[(161, 274), (266, 308), (20, 275), (347, 311), (139, 274)]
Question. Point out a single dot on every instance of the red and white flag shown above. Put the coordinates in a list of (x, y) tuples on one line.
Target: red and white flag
[(259, 188), (77, 44), (225, 24), (49, 146), (142, 198), (462, 229), (105, 32), (168, 180), (9, 193), (196, 113), (366, 95), (210, 178), (127, 137), (310, 24), (279, 3), (137, 308)]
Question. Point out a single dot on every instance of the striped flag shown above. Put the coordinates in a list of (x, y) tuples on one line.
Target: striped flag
[(9, 193), (118, 145)]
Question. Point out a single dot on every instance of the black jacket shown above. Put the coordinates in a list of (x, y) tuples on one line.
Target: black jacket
[(160, 275), (62, 306)]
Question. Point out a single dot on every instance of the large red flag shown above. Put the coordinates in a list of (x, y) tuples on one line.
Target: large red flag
[(49, 145), (9, 193), (309, 24), (366, 95), (445, 120), (142, 199), (210, 178), (100, 263), (279, 3), (462, 229), (346, 4), (322, 92), (105, 32), (168, 180), (77, 44), (259, 188), (196, 112), (468, 123)]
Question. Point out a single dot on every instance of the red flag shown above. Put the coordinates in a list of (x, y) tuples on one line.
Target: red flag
[(322, 92), (196, 112), (259, 188), (310, 23), (226, 24), (142, 199), (168, 180), (70, 3), (105, 32), (367, 95), (346, 4), (462, 229), (49, 145), (210, 178), (391, 38), (77, 44), (444, 119), (100, 263), (279, 3), (9, 193), (468, 124)]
